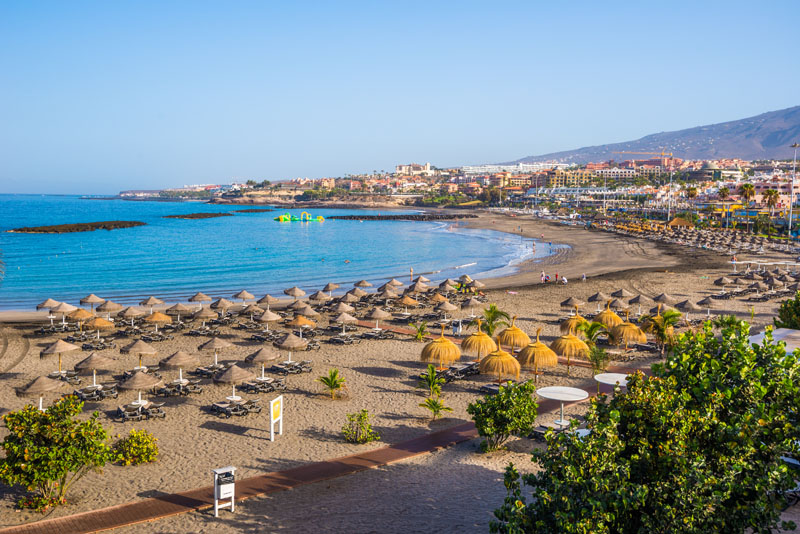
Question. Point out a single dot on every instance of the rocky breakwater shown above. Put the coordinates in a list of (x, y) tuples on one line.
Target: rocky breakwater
[(405, 217), (198, 215), (76, 227)]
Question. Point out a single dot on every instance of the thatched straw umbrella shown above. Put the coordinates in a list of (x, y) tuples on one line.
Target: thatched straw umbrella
[(688, 306), (204, 314), (664, 298), (179, 360), (571, 324), (221, 304), (341, 307), (80, 316), (47, 304), (58, 348), (513, 337), (268, 317), (291, 342), (329, 287), (234, 375), (445, 307), (130, 313), (63, 308), (407, 301), (598, 298), (109, 307), (448, 285), (501, 363), (39, 387), (92, 300), (94, 362), (179, 309), (608, 317), (622, 294), (201, 298), (297, 305), (570, 346), (395, 282), (349, 297), (378, 315), (362, 283), (344, 319), (478, 344), (537, 355), (319, 296), (97, 324), (358, 292), (417, 287), (140, 381), (216, 344), (707, 303), (438, 297), (267, 300), (471, 304), (724, 281), (151, 301), (244, 296), (387, 293), (307, 311), (262, 356), (618, 304), (639, 300), (572, 302), (251, 310), (627, 332), (158, 318), (421, 279), (299, 321), (440, 350), (475, 284), (294, 292), (140, 348)]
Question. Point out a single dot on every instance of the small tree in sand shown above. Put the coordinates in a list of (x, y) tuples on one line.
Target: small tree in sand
[(333, 382), (420, 330), (436, 407), (431, 381)]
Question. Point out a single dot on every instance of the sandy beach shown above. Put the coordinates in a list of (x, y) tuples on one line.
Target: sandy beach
[(453, 490)]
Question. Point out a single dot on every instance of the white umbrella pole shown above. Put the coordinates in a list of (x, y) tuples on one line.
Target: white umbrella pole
[(156, 328), (215, 358), (262, 370), (140, 396), (94, 377), (290, 355), (41, 409), (180, 373), (343, 330), (233, 388)]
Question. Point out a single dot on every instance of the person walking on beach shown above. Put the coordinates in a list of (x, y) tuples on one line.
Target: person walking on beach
[(543, 277), (583, 278), (556, 277)]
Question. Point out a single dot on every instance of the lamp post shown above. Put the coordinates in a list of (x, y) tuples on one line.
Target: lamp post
[(791, 188)]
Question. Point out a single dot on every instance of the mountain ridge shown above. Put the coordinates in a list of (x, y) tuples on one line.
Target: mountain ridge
[(764, 136)]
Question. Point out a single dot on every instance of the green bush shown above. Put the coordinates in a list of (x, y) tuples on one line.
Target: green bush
[(358, 428), (436, 407), (140, 447), (696, 448), (789, 313), (48, 451), (512, 411)]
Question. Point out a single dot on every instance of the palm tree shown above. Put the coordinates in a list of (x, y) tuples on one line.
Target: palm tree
[(662, 326), (747, 191), (431, 381), (493, 318), (332, 381), (771, 197), (591, 331)]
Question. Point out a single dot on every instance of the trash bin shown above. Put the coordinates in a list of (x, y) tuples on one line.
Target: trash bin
[(224, 487)]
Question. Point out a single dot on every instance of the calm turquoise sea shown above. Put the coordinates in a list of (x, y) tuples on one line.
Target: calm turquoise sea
[(173, 258)]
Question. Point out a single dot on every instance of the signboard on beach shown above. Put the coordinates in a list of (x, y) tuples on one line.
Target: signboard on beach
[(275, 416)]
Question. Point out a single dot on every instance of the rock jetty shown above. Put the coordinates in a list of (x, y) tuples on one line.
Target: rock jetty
[(76, 227), (253, 210), (406, 217)]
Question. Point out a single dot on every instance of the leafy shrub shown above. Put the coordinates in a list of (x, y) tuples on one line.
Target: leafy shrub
[(333, 382), (436, 407), (696, 448), (512, 411), (789, 313), (358, 428), (140, 447), (48, 451), (420, 330)]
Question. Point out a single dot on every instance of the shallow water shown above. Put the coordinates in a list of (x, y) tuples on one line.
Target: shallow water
[(173, 258)]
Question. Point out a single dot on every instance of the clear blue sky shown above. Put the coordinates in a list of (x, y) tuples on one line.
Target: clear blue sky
[(96, 97)]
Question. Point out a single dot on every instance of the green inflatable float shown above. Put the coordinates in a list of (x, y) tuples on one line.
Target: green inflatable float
[(304, 217)]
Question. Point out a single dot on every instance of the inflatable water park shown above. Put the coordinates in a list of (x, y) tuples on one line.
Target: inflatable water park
[(304, 217)]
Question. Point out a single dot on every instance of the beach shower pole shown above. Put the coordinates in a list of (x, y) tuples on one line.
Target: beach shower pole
[(791, 190)]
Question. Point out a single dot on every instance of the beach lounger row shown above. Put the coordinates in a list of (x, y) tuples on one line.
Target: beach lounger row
[(344, 339), (151, 410), (228, 409), (176, 390), (96, 394), (292, 368), (267, 385), (98, 345), (378, 334)]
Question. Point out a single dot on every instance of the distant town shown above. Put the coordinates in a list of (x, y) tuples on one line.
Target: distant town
[(706, 189)]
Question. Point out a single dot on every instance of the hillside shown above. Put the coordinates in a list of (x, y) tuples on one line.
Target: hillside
[(765, 136)]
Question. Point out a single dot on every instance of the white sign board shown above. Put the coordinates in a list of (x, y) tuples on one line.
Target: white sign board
[(275, 416)]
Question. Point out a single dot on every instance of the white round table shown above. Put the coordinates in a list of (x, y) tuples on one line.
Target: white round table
[(562, 394), (612, 379), (179, 382), (139, 403), (265, 379), (233, 398)]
